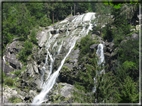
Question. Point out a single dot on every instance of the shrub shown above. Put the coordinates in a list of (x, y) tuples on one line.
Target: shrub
[(33, 36), (44, 21), (26, 51), (14, 99), (9, 81), (85, 44), (17, 72)]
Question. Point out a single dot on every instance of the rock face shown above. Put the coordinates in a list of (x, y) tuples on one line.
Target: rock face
[(94, 46), (62, 93), (42, 37), (10, 93), (66, 90), (68, 72), (10, 61)]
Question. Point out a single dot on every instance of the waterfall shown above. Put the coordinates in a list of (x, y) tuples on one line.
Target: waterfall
[(100, 54), (51, 64), (54, 46), (48, 86)]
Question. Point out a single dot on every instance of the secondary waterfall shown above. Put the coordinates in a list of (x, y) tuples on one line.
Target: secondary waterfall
[(100, 54), (60, 45)]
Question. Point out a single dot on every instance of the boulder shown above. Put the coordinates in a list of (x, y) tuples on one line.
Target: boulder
[(107, 55), (135, 36), (14, 47), (42, 37), (10, 93), (10, 55), (13, 62), (111, 45), (94, 46), (30, 70), (66, 90), (73, 57), (35, 67), (7, 68)]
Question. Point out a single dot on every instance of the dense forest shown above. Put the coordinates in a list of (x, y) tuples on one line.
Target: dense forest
[(18, 19), (120, 84)]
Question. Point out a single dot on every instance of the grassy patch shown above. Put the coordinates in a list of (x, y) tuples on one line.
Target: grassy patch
[(14, 99)]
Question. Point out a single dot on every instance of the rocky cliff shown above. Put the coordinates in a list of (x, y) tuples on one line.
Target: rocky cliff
[(54, 52)]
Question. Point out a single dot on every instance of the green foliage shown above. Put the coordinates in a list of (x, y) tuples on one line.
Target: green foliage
[(128, 57), (128, 92), (14, 99), (118, 5), (85, 44), (17, 72), (85, 77), (129, 65), (25, 52), (106, 88), (9, 81), (79, 96), (33, 36), (44, 21)]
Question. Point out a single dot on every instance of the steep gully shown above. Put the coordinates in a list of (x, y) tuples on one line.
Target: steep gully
[(62, 44)]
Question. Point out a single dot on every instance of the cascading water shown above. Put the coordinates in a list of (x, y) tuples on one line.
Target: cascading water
[(100, 54), (55, 44), (40, 98)]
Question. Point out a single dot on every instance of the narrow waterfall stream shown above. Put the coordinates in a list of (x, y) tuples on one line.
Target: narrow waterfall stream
[(49, 84), (61, 44), (100, 54)]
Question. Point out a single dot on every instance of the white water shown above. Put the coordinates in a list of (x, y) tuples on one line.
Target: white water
[(100, 54), (54, 45), (40, 98)]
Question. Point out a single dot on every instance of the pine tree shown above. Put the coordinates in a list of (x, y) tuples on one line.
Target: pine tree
[(128, 92)]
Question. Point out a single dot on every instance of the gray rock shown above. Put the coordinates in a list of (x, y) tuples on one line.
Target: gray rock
[(14, 47), (10, 54), (37, 83), (42, 37), (9, 93), (135, 36), (111, 45), (107, 55), (7, 68), (69, 65), (74, 55), (14, 62), (30, 70), (106, 43), (35, 67), (94, 46), (66, 90)]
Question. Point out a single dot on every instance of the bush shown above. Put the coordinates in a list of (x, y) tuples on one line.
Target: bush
[(17, 72), (9, 81), (44, 21), (26, 51), (33, 36), (14, 99), (85, 44)]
